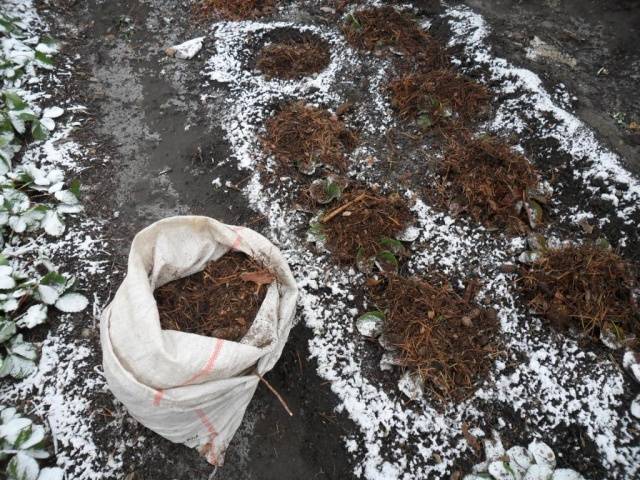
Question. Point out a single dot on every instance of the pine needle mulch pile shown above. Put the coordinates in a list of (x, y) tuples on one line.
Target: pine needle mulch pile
[(293, 58), (588, 287), (221, 301), (235, 9), (375, 28), (486, 179), (438, 98), (447, 338), (307, 137), (354, 229)]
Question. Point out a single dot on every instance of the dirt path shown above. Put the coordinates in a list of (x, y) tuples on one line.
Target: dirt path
[(164, 152)]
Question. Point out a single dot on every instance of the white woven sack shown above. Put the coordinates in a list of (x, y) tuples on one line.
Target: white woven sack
[(190, 388)]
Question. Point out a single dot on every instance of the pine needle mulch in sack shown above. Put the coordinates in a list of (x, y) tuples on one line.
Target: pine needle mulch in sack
[(587, 287), (235, 9), (486, 179), (221, 301), (294, 57), (447, 338), (355, 228), (374, 28), (438, 98), (307, 137)]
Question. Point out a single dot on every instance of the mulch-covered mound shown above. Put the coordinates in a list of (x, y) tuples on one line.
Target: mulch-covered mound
[(383, 27), (294, 58), (447, 338), (437, 98), (221, 301), (236, 9), (307, 137), (486, 179), (375, 28), (586, 287), (357, 227)]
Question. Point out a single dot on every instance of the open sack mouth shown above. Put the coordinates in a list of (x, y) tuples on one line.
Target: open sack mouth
[(220, 301)]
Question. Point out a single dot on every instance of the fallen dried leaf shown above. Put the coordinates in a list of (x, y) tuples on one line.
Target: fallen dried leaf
[(261, 277)]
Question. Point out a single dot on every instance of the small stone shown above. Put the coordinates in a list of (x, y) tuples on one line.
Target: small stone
[(409, 234), (520, 458), (542, 454), (500, 470), (370, 324), (566, 474), (481, 467), (635, 407), (528, 258), (389, 360), (493, 448), (631, 363), (411, 385), (538, 472), (610, 340), (186, 50), (386, 343)]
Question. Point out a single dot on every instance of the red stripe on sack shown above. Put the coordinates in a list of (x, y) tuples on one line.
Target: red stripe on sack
[(210, 363), (238, 240), (208, 367), (236, 243), (211, 456), (157, 398)]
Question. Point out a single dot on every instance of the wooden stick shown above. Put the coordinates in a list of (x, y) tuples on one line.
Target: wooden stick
[(341, 209), (278, 396)]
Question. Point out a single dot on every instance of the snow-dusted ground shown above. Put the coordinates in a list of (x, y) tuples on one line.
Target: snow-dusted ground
[(57, 393), (548, 379), (556, 384)]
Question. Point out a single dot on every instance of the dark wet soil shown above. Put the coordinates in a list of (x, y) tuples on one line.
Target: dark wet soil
[(597, 35), (163, 153)]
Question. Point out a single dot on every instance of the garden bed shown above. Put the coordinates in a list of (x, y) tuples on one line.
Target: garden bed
[(484, 178), (363, 224), (443, 336), (585, 288), (305, 138), (293, 56)]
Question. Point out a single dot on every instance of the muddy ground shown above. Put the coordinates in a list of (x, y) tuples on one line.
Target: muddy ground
[(165, 148), (598, 61)]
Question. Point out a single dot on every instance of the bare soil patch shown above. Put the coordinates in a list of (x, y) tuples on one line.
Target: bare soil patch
[(486, 179), (358, 227), (307, 137), (446, 337), (221, 301), (438, 98), (295, 57), (236, 9), (587, 287)]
